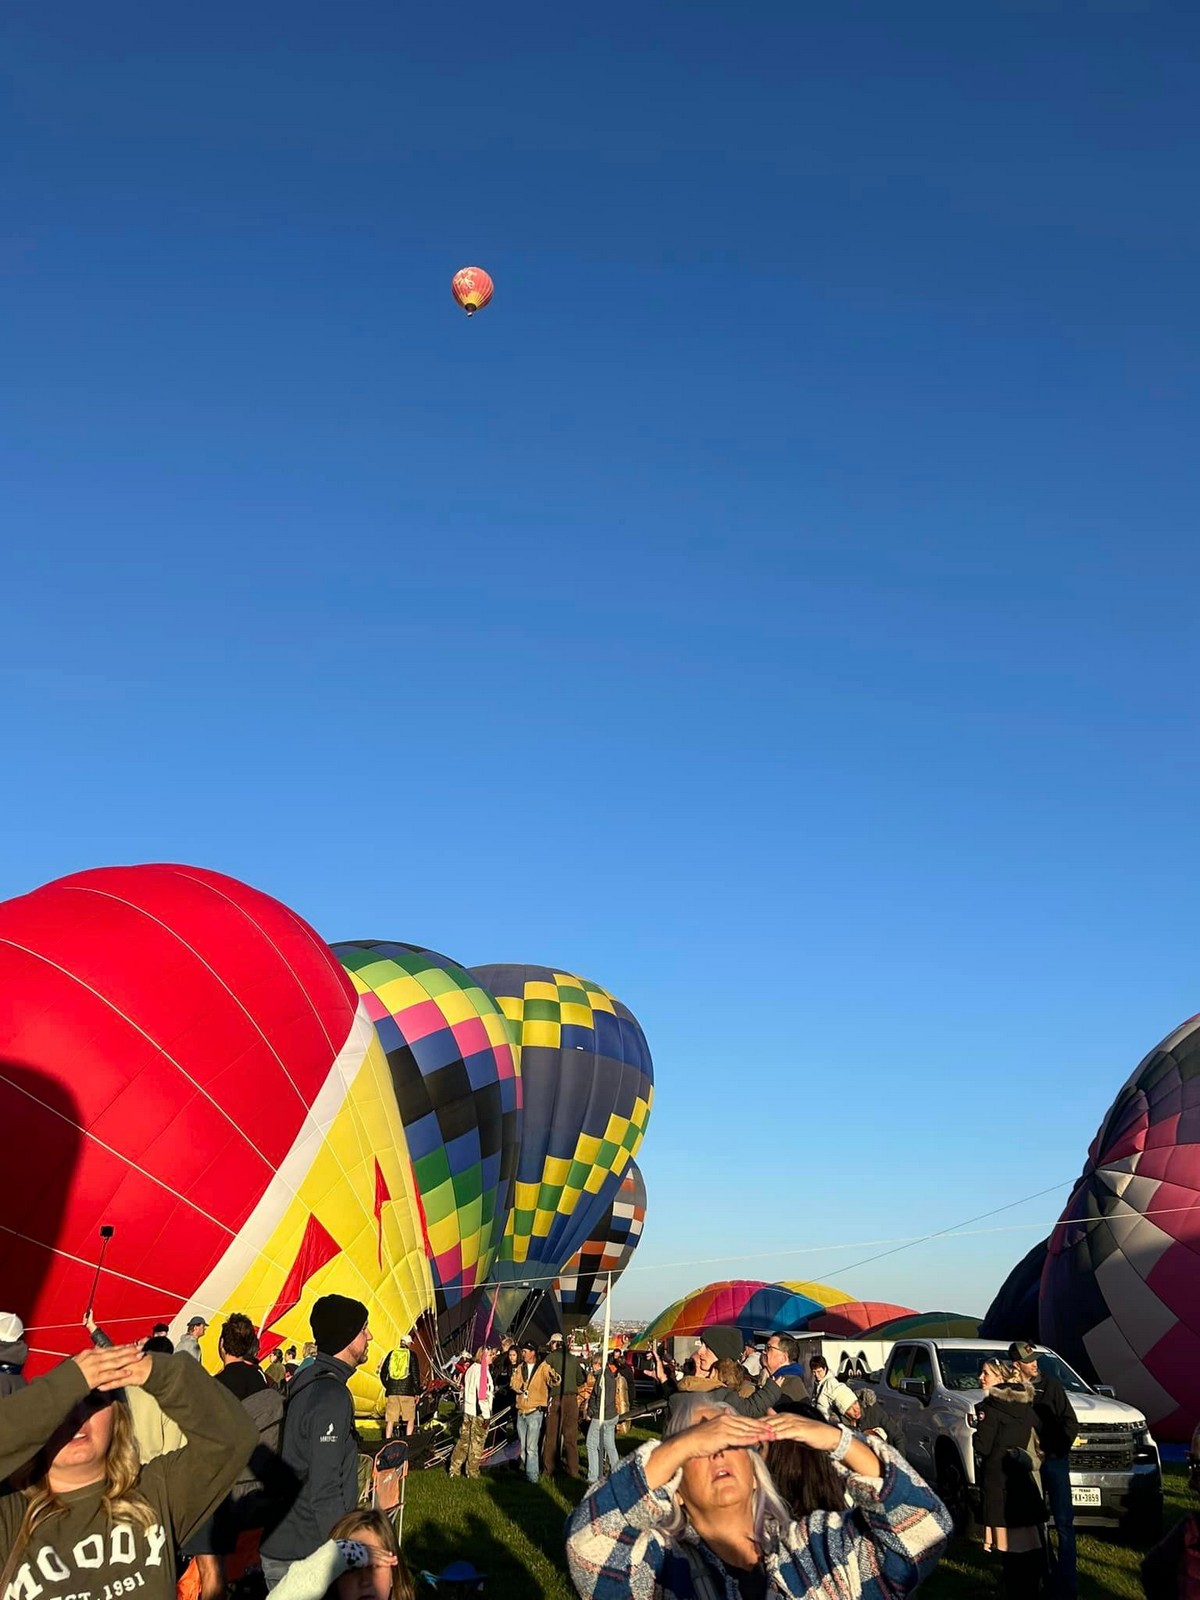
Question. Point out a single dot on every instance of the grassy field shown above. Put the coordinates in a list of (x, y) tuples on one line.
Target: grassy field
[(513, 1531)]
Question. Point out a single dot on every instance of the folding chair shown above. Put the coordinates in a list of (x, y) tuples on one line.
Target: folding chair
[(389, 1482)]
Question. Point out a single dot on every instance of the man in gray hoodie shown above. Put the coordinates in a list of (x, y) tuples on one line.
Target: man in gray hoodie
[(14, 1352)]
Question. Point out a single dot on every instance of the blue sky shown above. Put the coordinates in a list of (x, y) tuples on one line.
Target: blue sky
[(776, 606)]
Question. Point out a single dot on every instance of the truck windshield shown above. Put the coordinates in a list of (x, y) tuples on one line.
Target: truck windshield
[(960, 1368)]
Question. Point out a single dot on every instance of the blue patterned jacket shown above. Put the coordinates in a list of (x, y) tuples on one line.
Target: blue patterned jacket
[(889, 1539)]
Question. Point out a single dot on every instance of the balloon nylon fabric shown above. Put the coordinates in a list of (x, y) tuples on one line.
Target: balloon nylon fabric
[(585, 1278), (182, 1060), (748, 1304), (1118, 1291), (588, 1084), (455, 1073)]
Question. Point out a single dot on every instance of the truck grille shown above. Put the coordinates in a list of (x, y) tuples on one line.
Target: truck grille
[(1116, 1456)]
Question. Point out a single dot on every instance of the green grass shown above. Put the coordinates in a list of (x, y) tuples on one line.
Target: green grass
[(513, 1531)]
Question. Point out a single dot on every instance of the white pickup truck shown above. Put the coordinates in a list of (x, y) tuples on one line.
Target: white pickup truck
[(931, 1388)]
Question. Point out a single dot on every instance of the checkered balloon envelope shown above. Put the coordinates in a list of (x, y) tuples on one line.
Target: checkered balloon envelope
[(588, 1084), (455, 1068)]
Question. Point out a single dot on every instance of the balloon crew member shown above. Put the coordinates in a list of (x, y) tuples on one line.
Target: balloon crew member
[(319, 1442), (80, 1513), (562, 1414), (532, 1383), (479, 1394), (1056, 1427), (401, 1381)]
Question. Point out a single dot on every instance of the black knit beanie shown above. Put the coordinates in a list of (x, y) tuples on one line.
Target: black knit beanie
[(336, 1322), (725, 1342)]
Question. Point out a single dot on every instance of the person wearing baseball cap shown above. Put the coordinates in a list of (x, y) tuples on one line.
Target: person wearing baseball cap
[(189, 1345), (562, 1414), (533, 1381), (401, 1380), (1056, 1426), (14, 1352), (319, 1442)]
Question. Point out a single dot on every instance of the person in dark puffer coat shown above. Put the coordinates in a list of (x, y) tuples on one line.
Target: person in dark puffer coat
[(1014, 1507)]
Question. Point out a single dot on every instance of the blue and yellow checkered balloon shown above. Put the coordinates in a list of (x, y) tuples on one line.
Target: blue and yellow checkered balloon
[(588, 1085)]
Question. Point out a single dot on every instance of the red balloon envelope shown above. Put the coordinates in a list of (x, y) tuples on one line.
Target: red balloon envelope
[(176, 1053), (856, 1316), (472, 288)]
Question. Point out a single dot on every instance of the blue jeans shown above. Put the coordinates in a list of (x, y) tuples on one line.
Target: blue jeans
[(1056, 1481), (602, 1436), (529, 1431)]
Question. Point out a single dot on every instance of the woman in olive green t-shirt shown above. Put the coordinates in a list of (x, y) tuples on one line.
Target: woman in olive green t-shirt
[(80, 1517)]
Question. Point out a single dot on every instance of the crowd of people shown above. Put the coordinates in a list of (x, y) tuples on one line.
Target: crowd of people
[(128, 1470)]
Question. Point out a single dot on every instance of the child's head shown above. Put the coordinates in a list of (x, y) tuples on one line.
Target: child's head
[(380, 1581)]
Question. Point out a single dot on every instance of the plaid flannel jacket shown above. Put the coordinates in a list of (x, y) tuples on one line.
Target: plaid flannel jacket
[(890, 1537)]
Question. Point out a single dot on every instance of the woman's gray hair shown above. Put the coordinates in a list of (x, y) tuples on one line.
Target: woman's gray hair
[(766, 1502)]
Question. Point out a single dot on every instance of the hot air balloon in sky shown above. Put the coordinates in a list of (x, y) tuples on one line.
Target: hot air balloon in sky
[(584, 1280), (454, 1065), (588, 1084), (472, 288), (745, 1303), (1120, 1291), (183, 1060)]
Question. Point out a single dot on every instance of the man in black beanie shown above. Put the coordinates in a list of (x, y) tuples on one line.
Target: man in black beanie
[(319, 1442), (725, 1343)]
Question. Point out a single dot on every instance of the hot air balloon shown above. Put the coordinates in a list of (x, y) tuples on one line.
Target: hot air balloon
[(855, 1317), (472, 288), (929, 1325), (588, 1084), (1119, 1295), (584, 1280), (745, 1303), (1013, 1314), (183, 1061), (454, 1065)]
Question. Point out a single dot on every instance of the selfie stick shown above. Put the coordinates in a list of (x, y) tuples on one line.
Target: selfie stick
[(106, 1233)]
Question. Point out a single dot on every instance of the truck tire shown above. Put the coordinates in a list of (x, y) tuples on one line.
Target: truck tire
[(952, 1487)]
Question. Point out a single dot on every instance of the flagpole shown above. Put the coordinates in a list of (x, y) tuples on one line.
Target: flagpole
[(607, 1337)]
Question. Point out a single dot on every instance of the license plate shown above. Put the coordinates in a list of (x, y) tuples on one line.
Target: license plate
[(1085, 1497)]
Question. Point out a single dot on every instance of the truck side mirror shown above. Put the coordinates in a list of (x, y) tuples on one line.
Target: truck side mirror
[(1106, 1389), (916, 1388)]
